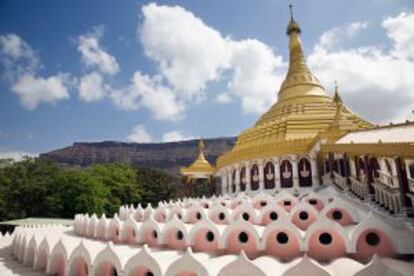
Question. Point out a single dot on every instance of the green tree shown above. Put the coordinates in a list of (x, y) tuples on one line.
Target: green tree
[(122, 183), (156, 185)]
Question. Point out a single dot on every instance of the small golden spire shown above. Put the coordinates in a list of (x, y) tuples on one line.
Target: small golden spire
[(293, 25), (201, 145), (337, 99)]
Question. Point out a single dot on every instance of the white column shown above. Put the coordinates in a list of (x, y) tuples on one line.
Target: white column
[(223, 181), (237, 179), (230, 186), (295, 172), (352, 166), (276, 164), (261, 175), (248, 185), (314, 170)]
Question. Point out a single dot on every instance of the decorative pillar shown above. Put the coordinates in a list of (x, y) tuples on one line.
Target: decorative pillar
[(314, 171), (346, 169), (230, 187), (295, 170), (276, 164), (248, 185), (370, 177), (237, 179), (352, 167), (224, 182), (403, 185), (261, 176)]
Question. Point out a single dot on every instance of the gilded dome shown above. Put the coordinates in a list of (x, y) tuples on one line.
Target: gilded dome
[(303, 110)]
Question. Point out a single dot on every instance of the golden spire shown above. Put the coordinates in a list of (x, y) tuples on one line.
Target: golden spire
[(299, 73), (200, 165), (337, 99)]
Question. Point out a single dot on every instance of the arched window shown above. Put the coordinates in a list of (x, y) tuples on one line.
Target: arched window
[(374, 166), (243, 179), (269, 175), (254, 177), (286, 174), (305, 173), (411, 170), (342, 166)]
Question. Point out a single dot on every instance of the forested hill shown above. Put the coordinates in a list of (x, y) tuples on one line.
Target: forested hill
[(168, 157)]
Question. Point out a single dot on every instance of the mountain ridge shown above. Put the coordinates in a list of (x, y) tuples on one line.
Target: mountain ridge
[(168, 156)]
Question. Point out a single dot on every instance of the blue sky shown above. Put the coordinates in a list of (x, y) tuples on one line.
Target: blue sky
[(180, 69)]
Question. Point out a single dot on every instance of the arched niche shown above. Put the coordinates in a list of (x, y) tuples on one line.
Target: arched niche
[(254, 177), (305, 172), (269, 175), (286, 174)]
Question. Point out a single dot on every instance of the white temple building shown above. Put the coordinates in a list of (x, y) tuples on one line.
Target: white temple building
[(310, 189)]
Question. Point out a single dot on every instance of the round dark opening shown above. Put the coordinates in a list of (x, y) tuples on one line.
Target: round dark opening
[(155, 234), (325, 238), (263, 203), (337, 215), (303, 215), (223, 204), (113, 272), (149, 273), (312, 201), (180, 235), (205, 205), (372, 239), (179, 216), (246, 216), (210, 236), (222, 216), (273, 216), (282, 238), (198, 215), (287, 203), (243, 237)]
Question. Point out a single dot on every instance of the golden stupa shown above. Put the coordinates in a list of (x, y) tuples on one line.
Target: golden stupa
[(301, 114), (201, 166)]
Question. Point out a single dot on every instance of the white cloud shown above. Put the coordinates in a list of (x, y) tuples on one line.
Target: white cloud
[(224, 98), (34, 90), (375, 82), (335, 36), (255, 80), (139, 135), (401, 30), (92, 87), (190, 55), (21, 63), (16, 155), (148, 92), (16, 57), (93, 55), (174, 136)]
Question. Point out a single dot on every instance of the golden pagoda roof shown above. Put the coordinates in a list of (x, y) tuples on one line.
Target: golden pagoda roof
[(200, 165), (303, 111)]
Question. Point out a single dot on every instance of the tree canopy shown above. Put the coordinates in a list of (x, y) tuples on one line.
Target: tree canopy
[(39, 188)]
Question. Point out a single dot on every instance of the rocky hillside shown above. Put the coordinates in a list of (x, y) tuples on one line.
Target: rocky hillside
[(168, 157)]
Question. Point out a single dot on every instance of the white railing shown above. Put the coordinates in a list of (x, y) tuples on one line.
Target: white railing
[(387, 196), (386, 178), (340, 181), (359, 188)]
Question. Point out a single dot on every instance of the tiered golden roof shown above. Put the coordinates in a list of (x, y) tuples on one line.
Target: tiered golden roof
[(200, 166), (303, 111)]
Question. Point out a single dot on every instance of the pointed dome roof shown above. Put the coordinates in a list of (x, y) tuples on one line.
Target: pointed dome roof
[(303, 110), (200, 165)]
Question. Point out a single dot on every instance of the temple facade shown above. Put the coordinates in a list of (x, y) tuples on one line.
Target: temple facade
[(310, 189), (307, 140)]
